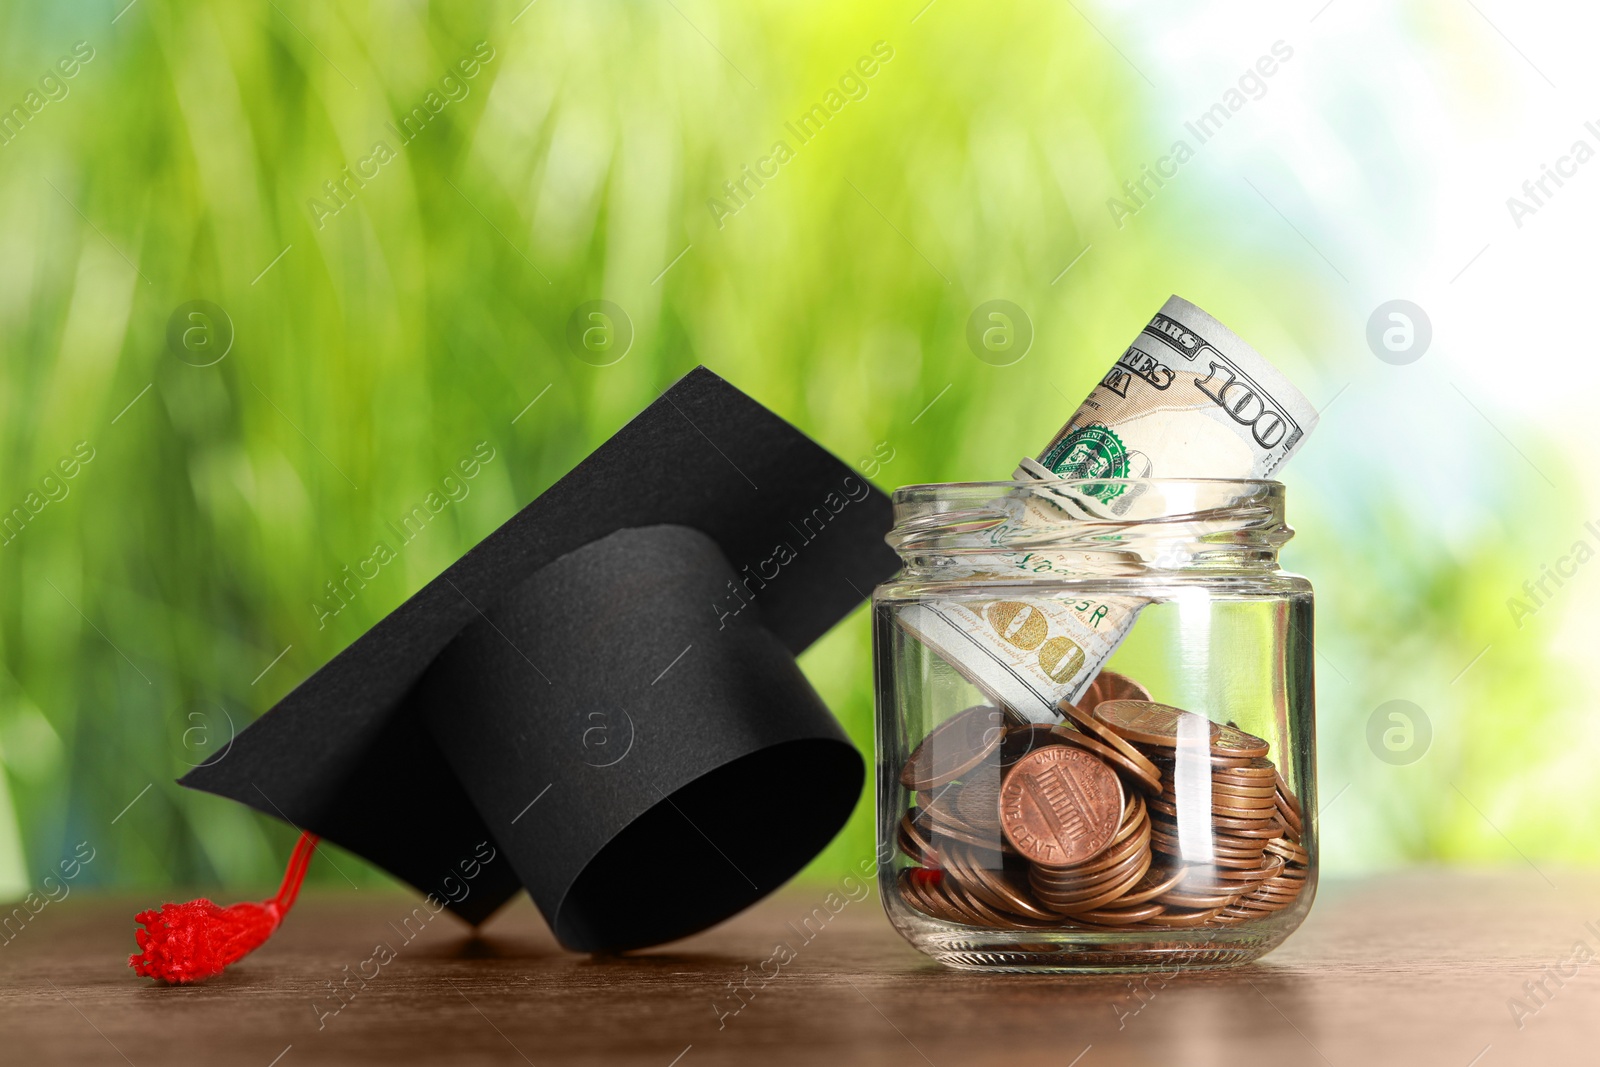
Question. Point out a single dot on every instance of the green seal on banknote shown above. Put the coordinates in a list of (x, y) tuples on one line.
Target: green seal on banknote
[(1092, 451)]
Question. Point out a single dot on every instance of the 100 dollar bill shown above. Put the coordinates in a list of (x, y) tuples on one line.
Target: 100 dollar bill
[(1187, 399)]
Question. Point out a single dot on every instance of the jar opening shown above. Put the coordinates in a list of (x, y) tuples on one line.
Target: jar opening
[(1117, 523)]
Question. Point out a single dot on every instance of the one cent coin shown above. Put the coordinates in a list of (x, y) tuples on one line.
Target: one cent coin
[(1256, 772), (1123, 914), (954, 747), (1220, 785), (1290, 851), (1234, 742), (978, 800), (1150, 723), (1156, 881), (1179, 919), (1088, 724), (914, 842), (1109, 685), (993, 885), (1110, 895), (1060, 805)]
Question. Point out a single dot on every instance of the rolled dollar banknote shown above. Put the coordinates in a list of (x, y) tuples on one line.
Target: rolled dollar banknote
[(1188, 399)]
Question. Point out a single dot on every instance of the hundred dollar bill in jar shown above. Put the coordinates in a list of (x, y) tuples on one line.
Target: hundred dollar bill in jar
[(1187, 399), (1165, 816)]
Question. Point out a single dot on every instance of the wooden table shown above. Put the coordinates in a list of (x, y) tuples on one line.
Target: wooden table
[(1416, 969)]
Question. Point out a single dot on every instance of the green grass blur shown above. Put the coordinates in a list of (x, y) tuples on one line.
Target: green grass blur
[(380, 334)]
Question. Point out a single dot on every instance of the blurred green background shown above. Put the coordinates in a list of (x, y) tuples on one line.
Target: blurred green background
[(375, 334)]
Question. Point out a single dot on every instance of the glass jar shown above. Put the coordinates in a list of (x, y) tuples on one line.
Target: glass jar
[(1045, 814)]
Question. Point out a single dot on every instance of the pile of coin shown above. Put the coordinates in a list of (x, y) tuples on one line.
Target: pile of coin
[(1129, 814)]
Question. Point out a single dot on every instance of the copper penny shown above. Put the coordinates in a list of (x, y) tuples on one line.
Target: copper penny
[(1151, 723), (1093, 727), (925, 897), (1290, 817), (1288, 794), (1273, 828), (1202, 901), (1281, 883), (1067, 882), (1156, 881), (1169, 844), (927, 888), (1182, 918), (1234, 743), (1262, 807), (1065, 899), (1230, 806), (937, 824), (907, 894), (939, 894), (1121, 915), (1238, 844), (914, 884), (1002, 889), (1163, 806), (1228, 781), (1233, 806), (1219, 787), (943, 835), (1270, 900), (1109, 895), (1289, 851), (1068, 878), (1236, 864), (1256, 829), (1235, 784), (1109, 685), (977, 801), (1286, 892), (1060, 805), (1243, 910), (1242, 773), (1273, 896), (914, 842), (954, 747), (964, 899), (1134, 817), (938, 809), (1250, 771), (955, 867), (1248, 827), (1270, 867)]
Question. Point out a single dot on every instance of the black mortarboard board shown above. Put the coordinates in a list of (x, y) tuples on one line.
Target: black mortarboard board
[(602, 695)]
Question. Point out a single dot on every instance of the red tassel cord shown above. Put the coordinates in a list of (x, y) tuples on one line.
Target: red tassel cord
[(190, 942)]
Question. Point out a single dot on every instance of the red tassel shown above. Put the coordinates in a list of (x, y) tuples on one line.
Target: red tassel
[(185, 943)]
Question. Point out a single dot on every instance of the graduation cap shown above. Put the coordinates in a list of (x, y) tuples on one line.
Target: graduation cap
[(600, 701)]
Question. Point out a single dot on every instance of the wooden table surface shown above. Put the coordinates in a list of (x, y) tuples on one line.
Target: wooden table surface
[(1415, 969)]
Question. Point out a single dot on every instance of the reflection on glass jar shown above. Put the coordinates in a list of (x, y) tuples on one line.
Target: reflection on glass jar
[(1095, 729)]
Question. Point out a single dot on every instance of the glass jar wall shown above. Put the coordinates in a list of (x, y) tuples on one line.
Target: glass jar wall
[(1095, 742)]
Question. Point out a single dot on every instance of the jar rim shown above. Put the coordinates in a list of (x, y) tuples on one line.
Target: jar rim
[(1102, 521), (923, 488)]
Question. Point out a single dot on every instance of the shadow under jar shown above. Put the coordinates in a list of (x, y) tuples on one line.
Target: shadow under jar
[(1046, 815)]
